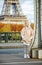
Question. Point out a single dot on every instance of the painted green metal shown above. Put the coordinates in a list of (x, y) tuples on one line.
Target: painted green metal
[(10, 36)]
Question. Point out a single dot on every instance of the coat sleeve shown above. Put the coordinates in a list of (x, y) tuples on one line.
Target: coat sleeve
[(22, 33), (31, 34)]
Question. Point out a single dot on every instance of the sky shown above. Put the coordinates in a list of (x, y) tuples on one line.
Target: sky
[(27, 7)]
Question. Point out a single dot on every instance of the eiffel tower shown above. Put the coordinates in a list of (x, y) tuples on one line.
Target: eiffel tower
[(11, 21)]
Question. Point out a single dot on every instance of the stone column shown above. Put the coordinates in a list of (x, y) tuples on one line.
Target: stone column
[(41, 20), (37, 35)]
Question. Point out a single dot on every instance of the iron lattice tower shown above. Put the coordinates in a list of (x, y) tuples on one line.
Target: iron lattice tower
[(12, 6), (12, 11)]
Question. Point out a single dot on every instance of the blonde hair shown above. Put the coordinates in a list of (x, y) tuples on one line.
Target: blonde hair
[(32, 25)]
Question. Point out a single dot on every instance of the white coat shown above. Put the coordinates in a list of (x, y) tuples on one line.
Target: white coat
[(27, 34)]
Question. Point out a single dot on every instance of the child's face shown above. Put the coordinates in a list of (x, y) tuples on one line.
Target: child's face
[(26, 24)]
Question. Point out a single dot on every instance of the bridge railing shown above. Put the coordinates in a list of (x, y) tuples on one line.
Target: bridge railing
[(10, 37)]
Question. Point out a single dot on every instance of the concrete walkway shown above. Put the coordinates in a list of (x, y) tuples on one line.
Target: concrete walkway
[(16, 58)]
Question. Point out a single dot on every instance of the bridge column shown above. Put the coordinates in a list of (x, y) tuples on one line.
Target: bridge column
[(37, 24)]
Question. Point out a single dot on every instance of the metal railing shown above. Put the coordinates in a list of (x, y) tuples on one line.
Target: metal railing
[(10, 37)]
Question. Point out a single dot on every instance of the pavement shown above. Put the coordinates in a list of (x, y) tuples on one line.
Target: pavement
[(17, 59), (22, 64)]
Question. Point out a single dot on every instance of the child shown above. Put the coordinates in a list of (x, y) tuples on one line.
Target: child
[(27, 35)]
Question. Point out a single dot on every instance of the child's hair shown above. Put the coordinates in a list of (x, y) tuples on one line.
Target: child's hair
[(32, 25)]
